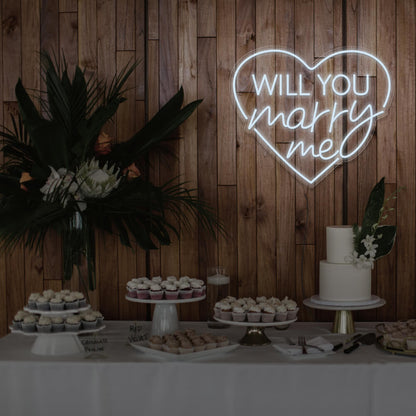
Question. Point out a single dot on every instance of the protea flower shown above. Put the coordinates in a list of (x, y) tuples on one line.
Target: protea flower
[(96, 182)]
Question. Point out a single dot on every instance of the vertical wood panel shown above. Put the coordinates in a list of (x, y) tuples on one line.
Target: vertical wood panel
[(68, 39), (225, 107), (207, 18), (406, 159), (125, 25), (68, 5), (87, 35), (140, 50)]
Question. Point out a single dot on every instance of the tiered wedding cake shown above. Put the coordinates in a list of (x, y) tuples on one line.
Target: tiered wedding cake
[(340, 280)]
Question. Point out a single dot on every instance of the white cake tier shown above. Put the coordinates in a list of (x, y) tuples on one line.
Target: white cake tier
[(339, 243), (344, 282)]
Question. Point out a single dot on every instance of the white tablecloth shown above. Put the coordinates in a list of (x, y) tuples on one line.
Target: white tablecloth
[(247, 381)]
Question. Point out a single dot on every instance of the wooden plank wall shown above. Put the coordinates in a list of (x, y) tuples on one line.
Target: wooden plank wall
[(275, 224)]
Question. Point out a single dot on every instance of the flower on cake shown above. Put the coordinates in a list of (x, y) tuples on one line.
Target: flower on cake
[(373, 240)]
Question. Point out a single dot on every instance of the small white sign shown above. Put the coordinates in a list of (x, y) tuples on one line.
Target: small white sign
[(291, 101)]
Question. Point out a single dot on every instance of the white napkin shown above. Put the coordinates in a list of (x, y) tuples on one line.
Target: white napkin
[(296, 350)]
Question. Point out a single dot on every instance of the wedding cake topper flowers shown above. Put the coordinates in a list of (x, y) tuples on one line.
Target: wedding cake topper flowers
[(373, 240)]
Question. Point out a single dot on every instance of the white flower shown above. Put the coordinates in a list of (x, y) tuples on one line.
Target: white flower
[(60, 184), (96, 182), (368, 241)]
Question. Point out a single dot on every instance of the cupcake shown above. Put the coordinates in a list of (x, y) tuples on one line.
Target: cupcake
[(217, 310), (155, 342), (281, 313), (156, 292), (131, 289), (171, 345), (71, 302), (142, 291), (29, 323), (32, 300), (18, 320), (171, 292), (57, 324), (42, 304), (222, 341), (79, 296), (44, 325), (185, 290), (171, 279), (261, 299), (57, 304), (238, 314), (48, 294), (268, 314), (89, 321), (185, 347), (197, 288), (254, 314), (65, 292), (99, 316), (184, 279), (198, 343), (157, 279), (292, 309), (73, 323), (226, 312)]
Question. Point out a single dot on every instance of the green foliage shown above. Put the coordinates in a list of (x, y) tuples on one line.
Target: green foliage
[(51, 145)]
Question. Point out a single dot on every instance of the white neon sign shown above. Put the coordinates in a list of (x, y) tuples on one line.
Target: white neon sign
[(361, 115)]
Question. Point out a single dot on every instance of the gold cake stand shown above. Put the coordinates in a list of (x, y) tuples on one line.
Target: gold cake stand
[(255, 335), (343, 321)]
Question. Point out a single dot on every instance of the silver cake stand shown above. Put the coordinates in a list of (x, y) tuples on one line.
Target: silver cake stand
[(343, 322)]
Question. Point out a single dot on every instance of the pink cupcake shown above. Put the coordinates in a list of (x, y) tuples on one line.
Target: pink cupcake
[(226, 311), (142, 291), (254, 314), (156, 292), (171, 292), (238, 314), (185, 291), (132, 289), (268, 314), (197, 288)]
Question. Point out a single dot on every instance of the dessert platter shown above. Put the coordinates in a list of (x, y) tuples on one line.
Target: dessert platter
[(398, 337), (343, 287), (185, 345), (256, 315), (57, 330), (165, 295)]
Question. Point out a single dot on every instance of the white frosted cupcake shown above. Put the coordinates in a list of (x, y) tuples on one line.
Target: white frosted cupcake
[(79, 296), (197, 288), (44, 325), (57, 304), (32, 300), (73, 323), (143, 291), (42, 304), (99, 316), (171, 291), (217, 310), (292, 309), (18, 319), (281, 313), (238, 314), (131, 289), (29, 323), (57, 324), (226, 311), (89, 321), (48, 293), (71, 302), (268, 314), (171, 279), (156, 292), (254, 313), (157, 279), (185, 290)]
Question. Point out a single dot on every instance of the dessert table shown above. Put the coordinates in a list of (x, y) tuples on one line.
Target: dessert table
[(119, 380)]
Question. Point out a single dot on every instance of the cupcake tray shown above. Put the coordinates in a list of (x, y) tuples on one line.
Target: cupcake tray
[(57, 343), (56, 313), (165, 316), (143, 346), (255, 335)]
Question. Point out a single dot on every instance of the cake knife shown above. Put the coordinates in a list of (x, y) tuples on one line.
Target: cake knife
[(348, 341), (367, 339)]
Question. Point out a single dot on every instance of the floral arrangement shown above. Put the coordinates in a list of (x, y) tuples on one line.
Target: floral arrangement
[(62, 171), (373, 240)]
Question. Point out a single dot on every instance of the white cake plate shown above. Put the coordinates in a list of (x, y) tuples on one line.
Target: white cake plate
[(255, 335), (165, 316), (64, 312), (57, 343), (344, 322)]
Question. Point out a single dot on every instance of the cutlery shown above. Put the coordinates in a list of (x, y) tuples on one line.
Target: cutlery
[(302, 343), (343, 344), (367, 339)]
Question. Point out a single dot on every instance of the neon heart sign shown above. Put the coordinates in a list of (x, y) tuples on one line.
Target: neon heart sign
[(312, 108)]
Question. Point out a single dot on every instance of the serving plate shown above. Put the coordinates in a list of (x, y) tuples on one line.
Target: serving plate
[(143, 346), (394, 351)]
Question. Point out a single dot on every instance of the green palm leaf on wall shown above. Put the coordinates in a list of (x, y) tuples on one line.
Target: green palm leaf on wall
[(62, 172)]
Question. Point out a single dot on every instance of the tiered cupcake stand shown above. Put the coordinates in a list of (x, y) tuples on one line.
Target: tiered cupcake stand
[(255, 335), (57, 343), (165, 317), (343, 322)]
